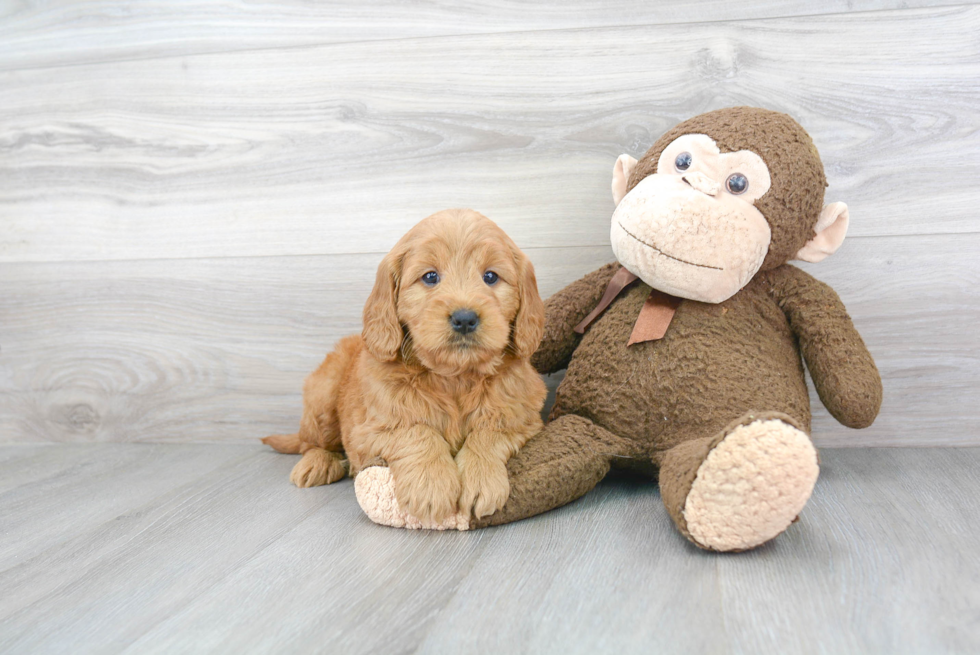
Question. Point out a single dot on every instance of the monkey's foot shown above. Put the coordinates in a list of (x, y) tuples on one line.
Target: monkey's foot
[(375, 491), (751, 486)]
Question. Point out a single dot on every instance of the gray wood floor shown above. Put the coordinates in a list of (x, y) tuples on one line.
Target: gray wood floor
[(143, 548)]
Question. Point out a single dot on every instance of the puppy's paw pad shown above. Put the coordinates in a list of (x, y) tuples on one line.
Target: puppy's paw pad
[(374, 488)]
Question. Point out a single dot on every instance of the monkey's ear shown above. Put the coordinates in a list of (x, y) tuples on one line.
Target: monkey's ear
[(621, 176), (831, 228), (382, 330)]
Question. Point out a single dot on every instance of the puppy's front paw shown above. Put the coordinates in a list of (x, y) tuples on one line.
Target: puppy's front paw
[(428, 491), (485, 484), (375, 491)]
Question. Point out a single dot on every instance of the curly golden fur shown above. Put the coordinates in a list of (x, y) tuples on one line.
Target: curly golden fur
[(444, 409)]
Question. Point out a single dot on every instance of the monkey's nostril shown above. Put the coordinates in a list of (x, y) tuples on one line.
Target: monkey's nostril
[(464, 321), (701, 182)]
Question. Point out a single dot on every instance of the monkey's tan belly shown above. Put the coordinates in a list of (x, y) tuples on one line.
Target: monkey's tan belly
[(730, 358)]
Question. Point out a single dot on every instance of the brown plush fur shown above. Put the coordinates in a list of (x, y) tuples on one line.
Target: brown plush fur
[(445, 411), (667, 403)]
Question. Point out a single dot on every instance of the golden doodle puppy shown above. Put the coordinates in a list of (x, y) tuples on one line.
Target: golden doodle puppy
[(439, 383)]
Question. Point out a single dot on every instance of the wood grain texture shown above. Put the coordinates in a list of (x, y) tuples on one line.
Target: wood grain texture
[(216, 350), (340, 148), (818, 588), (236, 559), (47, 34), (38, 488), (186, 350), (915, 301), (193, 197)]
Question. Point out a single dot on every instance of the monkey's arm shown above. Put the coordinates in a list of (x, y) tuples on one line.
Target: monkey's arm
[(563, 311), (842, 369)]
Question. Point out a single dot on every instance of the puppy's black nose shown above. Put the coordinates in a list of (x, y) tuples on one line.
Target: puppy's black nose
[(464, 321)]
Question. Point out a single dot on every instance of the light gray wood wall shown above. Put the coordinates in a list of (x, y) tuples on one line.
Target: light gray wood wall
[(193, 196)]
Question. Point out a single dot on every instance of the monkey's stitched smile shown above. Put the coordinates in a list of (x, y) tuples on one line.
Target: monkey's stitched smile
[(677, 259)]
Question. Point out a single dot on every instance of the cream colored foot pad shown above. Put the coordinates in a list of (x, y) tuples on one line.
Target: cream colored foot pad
[(751, 486), (375, 491)]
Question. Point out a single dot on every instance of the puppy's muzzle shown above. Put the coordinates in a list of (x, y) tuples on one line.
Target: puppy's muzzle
[(464, 321)]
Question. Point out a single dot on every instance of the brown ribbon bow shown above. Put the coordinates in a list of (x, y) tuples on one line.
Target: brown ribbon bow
[(654, 318)]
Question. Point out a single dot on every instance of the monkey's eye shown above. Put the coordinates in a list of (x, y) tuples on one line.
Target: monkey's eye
[(430, 279), (737, 183), (683, 161), (490, 278)]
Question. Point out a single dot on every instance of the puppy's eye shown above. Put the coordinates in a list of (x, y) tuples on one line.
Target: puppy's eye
[(683, 161), (430, 279), (490, 278), (737, 183)]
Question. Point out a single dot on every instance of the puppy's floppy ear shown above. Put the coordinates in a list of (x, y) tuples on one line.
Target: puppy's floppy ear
[(529, 322), (382, 331)]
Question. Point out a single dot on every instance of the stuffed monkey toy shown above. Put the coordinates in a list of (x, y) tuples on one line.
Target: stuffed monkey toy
[(685, 357)]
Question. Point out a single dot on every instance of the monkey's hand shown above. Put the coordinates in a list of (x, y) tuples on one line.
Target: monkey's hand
[(842, 369)]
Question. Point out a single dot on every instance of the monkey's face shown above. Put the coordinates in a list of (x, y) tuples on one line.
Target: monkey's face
[(691, 229)]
